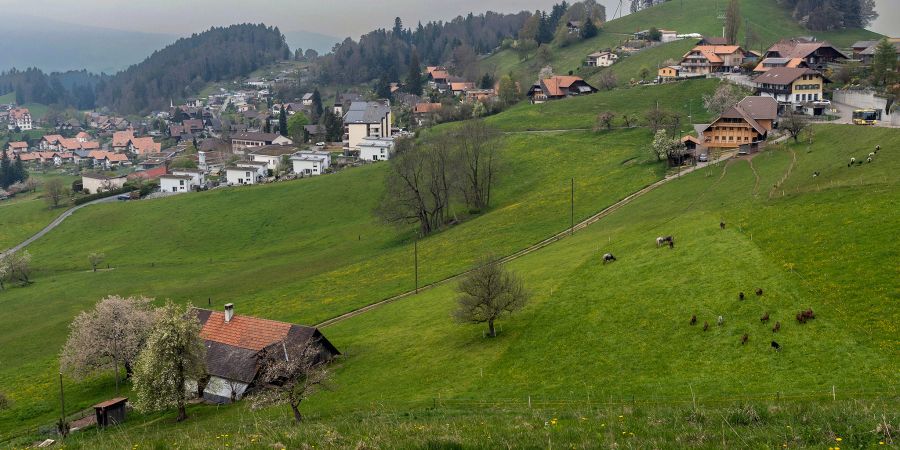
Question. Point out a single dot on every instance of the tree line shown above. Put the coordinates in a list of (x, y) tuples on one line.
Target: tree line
[(824, 15), (11, 172), (173, 73)]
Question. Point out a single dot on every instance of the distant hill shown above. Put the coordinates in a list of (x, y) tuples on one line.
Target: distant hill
[(321, 43), (55, 46)]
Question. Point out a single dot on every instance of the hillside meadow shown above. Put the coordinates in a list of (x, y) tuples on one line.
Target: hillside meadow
[(26, 214), (605, 354), (301, 251)]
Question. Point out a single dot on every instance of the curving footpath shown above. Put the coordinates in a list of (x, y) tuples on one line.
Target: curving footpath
[(533, 248), (54, 224)]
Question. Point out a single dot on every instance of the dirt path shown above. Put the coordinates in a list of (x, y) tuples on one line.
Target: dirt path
[(787, 174), (755, 174), (530, 249)]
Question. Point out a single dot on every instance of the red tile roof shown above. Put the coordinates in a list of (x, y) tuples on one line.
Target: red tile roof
[(121, 138), (244, 331), (148, 174), (145, 145), (424, 108)]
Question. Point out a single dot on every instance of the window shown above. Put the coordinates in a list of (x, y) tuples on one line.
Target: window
[(181, 182)]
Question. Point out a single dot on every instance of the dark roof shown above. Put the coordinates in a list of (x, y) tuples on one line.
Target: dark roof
[(784, 75), (366, 112), (714, 40), (751, 110), (273, 150), (251, 136), (233, 363), (111, 402)]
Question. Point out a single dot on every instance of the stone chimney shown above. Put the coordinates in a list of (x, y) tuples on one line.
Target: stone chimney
[(229, 312)]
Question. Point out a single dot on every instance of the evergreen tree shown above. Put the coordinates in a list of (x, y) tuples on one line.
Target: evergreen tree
[(589, 29), (383, 87), (487, 82), (414, 77), (6, 171), (317, 105), (267, 128), (282, 121), (884, 61), (398, 28), (21, 173)]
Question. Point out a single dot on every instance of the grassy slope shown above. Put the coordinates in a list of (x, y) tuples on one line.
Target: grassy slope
[(685, 16), (619, 332), (8, 98), (25, 215), (581, 112), (284, 251)]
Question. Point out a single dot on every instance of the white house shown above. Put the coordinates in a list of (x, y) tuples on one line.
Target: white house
[(376, 149), (601, 59), (176, 183), (366, 119), (198, 178), (94, 183), (668, 36), (310, 163), (271, 154), (241, 175), (21, 118)]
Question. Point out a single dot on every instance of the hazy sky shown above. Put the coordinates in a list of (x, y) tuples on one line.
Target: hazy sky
[(339, 18)]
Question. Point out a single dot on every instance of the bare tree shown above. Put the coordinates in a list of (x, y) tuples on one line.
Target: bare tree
[(95, 258), (488, 293), (15, 267), (477, 157), (608, 80), (793, 122), (290, 374), (54, 192), (732, 21), (629, 119), (725, 96), (414, 192), (655, 118), (173, 356), (605, 120)]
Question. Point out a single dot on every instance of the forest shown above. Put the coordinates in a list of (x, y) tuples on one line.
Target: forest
[(824, 15)]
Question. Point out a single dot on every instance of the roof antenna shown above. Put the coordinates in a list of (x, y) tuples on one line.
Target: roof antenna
[(283, 347)]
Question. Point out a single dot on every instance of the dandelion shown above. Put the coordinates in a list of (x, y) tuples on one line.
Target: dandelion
[(880, 442), (621, 417), (584, 418), (838, 439)]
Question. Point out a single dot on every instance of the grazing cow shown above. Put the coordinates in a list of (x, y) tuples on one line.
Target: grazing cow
[(801, 318), (694, 319), (608, 258), (759, 291), (720, 321), (869, 159), (777, 327), (705, 326), (722, 225), (660, 241), (740, 295), (764, 318), (815, 174), (808, 314), (744, 339), (776, 346), (877, 147)]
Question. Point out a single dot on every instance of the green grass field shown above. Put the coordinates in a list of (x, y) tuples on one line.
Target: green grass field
[(769, 21), (8, 98), (27, 214), (600, 340)]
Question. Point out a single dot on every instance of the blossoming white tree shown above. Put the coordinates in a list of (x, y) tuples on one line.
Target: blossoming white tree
[(173, 356)]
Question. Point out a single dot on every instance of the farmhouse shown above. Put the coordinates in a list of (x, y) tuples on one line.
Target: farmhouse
[(867, 55), (771, 63), (235, 345), (559, 87), (797, 88), (176, 183), (366, 119), (310, 163), (706, 59), (816, 55), (745, 125), (601, 59), (17, 146), (94, 183)]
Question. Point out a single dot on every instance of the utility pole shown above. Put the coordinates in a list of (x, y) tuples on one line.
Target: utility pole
[(62, 408), (572, 209), (416, 253)]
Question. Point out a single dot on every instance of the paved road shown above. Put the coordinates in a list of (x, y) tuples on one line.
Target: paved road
[(55, 224), (530, 249)]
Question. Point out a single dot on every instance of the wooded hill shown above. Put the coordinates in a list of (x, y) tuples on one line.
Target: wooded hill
[(175, 72)]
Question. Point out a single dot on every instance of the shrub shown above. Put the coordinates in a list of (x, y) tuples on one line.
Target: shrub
[(4, 402)]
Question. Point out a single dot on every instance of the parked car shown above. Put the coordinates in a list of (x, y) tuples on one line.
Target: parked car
[(124, 197), (703, 157)]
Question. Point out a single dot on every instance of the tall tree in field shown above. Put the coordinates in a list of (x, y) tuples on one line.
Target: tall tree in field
[(508, 92), (793, 122), (282, 121), (110, 336), (733, 21), (54, 192), (488, 293), (95, 258), (15, 267), (290, 375), (884, 62), (173, 356), (414, 77)]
